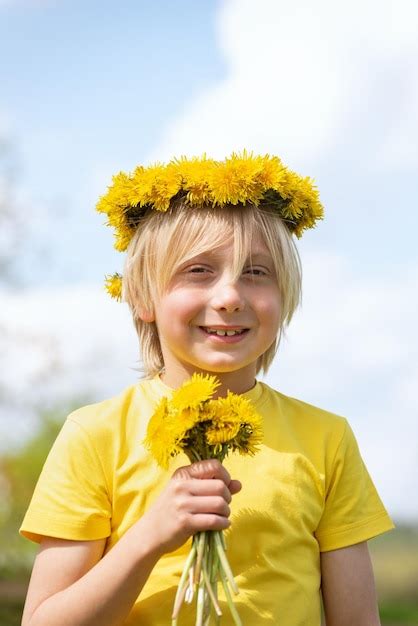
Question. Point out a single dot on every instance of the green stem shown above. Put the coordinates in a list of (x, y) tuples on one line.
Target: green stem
[(214, 570), (201, 596), (191, 452), (215, 561), (182, 585), (211, 592), (208, 595), (191, 586), (224, 562), (200, 551), (230, 601), (223, 539)]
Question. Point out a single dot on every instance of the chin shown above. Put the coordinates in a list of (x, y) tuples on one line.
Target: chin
[(222, 368)]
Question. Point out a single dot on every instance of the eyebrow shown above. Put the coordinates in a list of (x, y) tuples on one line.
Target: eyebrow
[(260, 255)]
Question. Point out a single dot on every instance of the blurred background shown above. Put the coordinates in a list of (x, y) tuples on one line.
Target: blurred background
[(90, 88)]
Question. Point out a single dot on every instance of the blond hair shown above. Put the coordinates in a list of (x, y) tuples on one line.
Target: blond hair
[(164, 241)]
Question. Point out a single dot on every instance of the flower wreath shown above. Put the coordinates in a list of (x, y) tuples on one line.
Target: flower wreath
[(239, 179)]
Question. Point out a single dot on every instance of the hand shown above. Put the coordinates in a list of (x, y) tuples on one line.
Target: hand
[(195, 499)]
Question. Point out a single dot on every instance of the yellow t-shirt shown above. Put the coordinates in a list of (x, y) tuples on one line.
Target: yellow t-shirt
[(306, 491)]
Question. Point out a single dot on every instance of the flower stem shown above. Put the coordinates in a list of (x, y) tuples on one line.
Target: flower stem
[(201, 597), (183, 583), (214, 570), (191, 586), (223, 539), (211, 593), (231, 605), (200, 550), (224, 562)]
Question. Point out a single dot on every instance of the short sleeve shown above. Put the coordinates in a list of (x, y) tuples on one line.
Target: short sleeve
[(353, 510), (71, 499)]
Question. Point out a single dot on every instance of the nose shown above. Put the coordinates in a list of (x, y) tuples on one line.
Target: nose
[(227, 297)]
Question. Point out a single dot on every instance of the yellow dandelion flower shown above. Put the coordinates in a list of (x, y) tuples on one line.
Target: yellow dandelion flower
[(207, 412), (157, 420), (236, 408), (166, 187), (247, 440), (194, 392), (192, 422), (161, 437), (116, 197), (195, 175), (155, 185), (113, 286), (123, 236), (240, 179), (165, 450), (182, 421), (234, 180), (271, 173), (221, 432), (232, 407)]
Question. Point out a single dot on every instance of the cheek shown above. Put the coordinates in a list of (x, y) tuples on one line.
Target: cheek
[(269, 306), (182, 305), (269, 316)]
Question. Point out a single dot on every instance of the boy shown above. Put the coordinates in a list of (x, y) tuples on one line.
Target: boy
[(212, 278)]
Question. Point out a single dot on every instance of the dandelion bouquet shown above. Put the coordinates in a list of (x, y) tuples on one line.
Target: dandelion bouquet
[(204, 428)]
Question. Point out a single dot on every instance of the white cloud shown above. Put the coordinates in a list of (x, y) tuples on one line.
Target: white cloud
[(352, 349), (300, 77), (73, 341), (399, 148)]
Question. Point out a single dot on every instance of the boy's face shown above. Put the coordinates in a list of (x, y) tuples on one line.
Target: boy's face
[(202, 298)]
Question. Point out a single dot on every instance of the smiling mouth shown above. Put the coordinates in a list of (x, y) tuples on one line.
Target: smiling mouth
[(220, 332)]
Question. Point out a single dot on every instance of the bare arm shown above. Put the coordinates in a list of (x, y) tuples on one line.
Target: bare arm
[(348, 589), (73, 584)]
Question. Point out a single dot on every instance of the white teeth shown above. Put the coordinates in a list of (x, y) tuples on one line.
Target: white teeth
[(222, 333)]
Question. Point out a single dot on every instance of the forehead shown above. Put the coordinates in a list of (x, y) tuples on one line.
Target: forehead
[(256, 248), (187, 237)]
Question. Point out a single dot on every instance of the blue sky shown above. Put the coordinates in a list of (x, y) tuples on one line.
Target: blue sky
[(88, 90), (88, 87)]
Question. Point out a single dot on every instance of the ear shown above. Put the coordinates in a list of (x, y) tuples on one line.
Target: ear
[(146, 316)]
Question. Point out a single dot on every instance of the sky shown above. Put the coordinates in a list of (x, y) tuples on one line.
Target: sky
[(88, 90)]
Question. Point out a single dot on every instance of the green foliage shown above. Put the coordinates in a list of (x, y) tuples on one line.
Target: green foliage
[(399, 614), (19, 472), (395, 562), (11, 613)]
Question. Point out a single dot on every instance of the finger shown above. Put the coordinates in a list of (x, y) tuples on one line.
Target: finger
[(209, 468), (205, 521), (234, 486), (209, 487), (210, 504)]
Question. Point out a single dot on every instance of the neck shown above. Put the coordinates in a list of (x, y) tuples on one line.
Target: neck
[(237, 382)]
